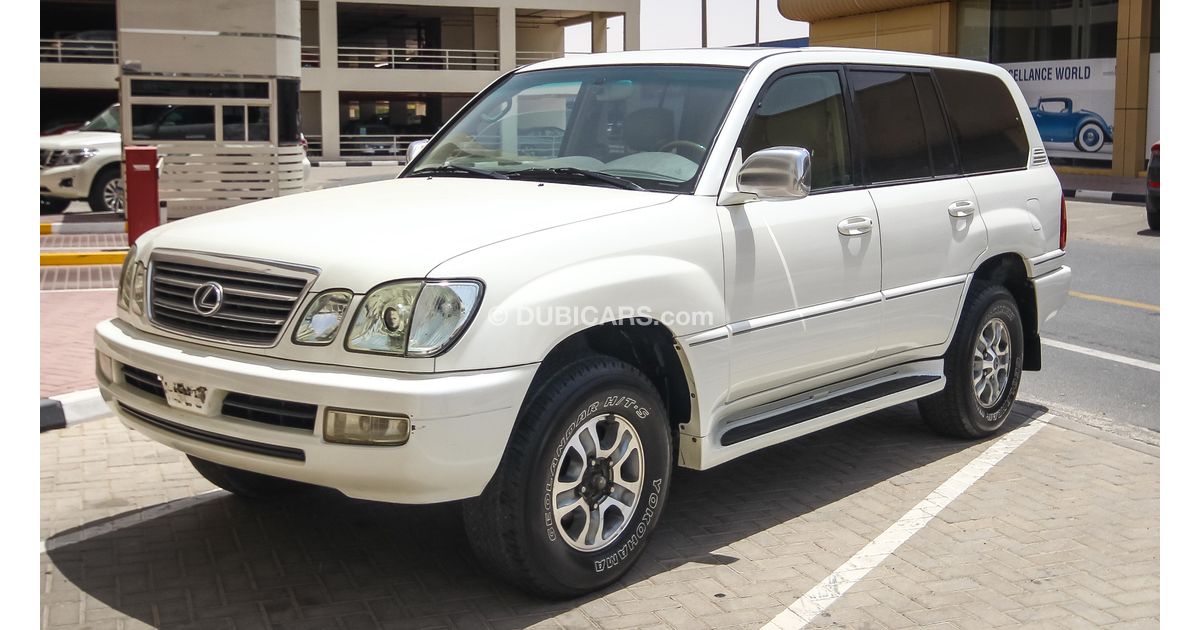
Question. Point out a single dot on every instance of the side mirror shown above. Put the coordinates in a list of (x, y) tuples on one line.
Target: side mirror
[(776, 174), (414, 149)]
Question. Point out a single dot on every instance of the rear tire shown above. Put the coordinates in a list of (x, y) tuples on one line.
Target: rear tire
[(561, 518), (983, 367), (1152, 219), (244, 483), (108, 191)]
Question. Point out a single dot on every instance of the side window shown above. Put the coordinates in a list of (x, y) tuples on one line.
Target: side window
[(892, 126), (804, 110), (986, 121), (940, 149)]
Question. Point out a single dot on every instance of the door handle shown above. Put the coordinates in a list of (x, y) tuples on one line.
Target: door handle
[(961, 208), (855, 226)]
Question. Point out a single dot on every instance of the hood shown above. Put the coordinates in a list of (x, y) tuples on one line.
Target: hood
[(366, 234), (81, 139)]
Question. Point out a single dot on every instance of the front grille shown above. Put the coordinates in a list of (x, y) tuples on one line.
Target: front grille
[(48, 156), (258, 298), (143, 380), (281, 413)]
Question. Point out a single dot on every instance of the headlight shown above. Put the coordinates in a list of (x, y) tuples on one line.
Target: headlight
[(442, 312), (414, 318), (125, 284), (323, 318), (71, 157)]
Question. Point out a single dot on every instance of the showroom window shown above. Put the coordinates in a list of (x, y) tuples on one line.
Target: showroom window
[(1036, 30)]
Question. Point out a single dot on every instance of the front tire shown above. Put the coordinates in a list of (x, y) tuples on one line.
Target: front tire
[(1152, 218), (108, 191), (581, 485), (243, 483), (983, 367)]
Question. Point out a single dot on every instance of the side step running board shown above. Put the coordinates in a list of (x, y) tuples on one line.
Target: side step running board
[(823, 408)]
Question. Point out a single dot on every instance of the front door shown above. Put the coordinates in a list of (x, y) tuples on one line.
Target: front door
[(802, 276)]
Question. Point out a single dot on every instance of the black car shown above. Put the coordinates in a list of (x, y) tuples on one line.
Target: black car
[(1152, 189)]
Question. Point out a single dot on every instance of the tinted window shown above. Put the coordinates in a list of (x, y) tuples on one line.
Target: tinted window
[(804, 110), (289, 114), (938, 135), (893, 132), (173, 122), (199, 89), (985, 120)]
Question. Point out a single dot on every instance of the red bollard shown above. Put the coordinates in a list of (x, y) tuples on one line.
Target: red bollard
[(141, 190)]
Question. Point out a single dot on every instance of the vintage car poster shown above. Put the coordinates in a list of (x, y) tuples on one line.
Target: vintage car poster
[(1072, 102)]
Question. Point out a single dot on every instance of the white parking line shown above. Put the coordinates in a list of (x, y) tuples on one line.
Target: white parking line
[(121, 522), (829, 590), (1100, 354)]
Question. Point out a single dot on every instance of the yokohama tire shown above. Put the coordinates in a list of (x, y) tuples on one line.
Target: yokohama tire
[(244, 483), (959, 410), (514, 527)]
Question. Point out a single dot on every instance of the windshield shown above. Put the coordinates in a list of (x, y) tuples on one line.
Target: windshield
[(108, 120), (649, 125)]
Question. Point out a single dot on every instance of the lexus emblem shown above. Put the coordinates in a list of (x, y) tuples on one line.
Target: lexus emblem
[(208, 298)]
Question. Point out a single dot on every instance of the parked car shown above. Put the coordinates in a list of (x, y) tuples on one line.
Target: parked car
[(84, 164), (1152, 189), (1057, 121), (547, 338)]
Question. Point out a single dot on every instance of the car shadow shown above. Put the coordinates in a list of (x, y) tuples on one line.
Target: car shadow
[(1148, 232), (315, 558)]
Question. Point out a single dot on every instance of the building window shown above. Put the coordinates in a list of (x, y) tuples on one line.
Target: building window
[(1039, 30), (173, 122)]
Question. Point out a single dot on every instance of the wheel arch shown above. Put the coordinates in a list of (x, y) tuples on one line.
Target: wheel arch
[(644, 343), (1012, 271)]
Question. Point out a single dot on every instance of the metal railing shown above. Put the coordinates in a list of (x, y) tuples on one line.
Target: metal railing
[(376, 145), (310, 56), (526, 57), (417, 58), (78, 51)]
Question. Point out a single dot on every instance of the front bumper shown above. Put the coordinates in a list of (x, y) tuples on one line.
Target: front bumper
[(65, 182), (461, 421)]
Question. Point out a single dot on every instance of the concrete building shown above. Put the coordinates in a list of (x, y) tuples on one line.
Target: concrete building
[(375, 75), (1088, 68)]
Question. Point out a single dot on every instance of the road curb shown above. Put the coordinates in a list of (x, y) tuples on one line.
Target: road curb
[(1103, 195), (64, 410), (105, 227), (112, 257)]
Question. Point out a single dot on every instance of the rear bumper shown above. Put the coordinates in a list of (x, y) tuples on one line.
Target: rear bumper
[(461, 421), (1052, 288)]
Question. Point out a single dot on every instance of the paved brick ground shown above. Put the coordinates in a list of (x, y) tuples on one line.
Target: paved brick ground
[(76, 277), (1062, 533), (67, 351), (84, 241)]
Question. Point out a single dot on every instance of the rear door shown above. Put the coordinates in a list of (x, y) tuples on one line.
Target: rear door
[(930, 230)]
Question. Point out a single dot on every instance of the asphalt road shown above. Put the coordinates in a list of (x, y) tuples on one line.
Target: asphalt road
[(1113, 309)]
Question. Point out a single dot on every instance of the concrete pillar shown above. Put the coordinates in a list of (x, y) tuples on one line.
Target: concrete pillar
[(331, 130), (633, 27), (508, 38), (1133, 87), (330, 121), (599, 33)]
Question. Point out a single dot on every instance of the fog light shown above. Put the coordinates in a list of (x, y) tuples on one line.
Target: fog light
[(355, 427)]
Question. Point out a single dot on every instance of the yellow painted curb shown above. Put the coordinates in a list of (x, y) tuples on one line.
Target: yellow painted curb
[(47, 228), (83, 258)]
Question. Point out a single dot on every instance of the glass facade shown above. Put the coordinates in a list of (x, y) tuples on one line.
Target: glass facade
[(1014, 31)]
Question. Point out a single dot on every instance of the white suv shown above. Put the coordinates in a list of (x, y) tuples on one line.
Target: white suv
[(84, 164), (601, 268)]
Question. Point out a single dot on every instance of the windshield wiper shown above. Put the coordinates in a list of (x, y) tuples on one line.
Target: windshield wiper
[(455, 168), (571, 171)]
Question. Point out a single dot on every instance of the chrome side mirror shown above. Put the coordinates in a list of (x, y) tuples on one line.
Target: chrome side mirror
[(414, 149), (777, 173)]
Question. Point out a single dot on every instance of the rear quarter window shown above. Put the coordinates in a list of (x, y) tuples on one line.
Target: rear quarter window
[(987, 124)]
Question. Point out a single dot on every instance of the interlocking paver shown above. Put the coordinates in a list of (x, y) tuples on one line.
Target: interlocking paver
[(1062, 533), (67, 350)]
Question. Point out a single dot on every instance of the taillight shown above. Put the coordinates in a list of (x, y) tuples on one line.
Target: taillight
[(1062, 228), (1154, 149)]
